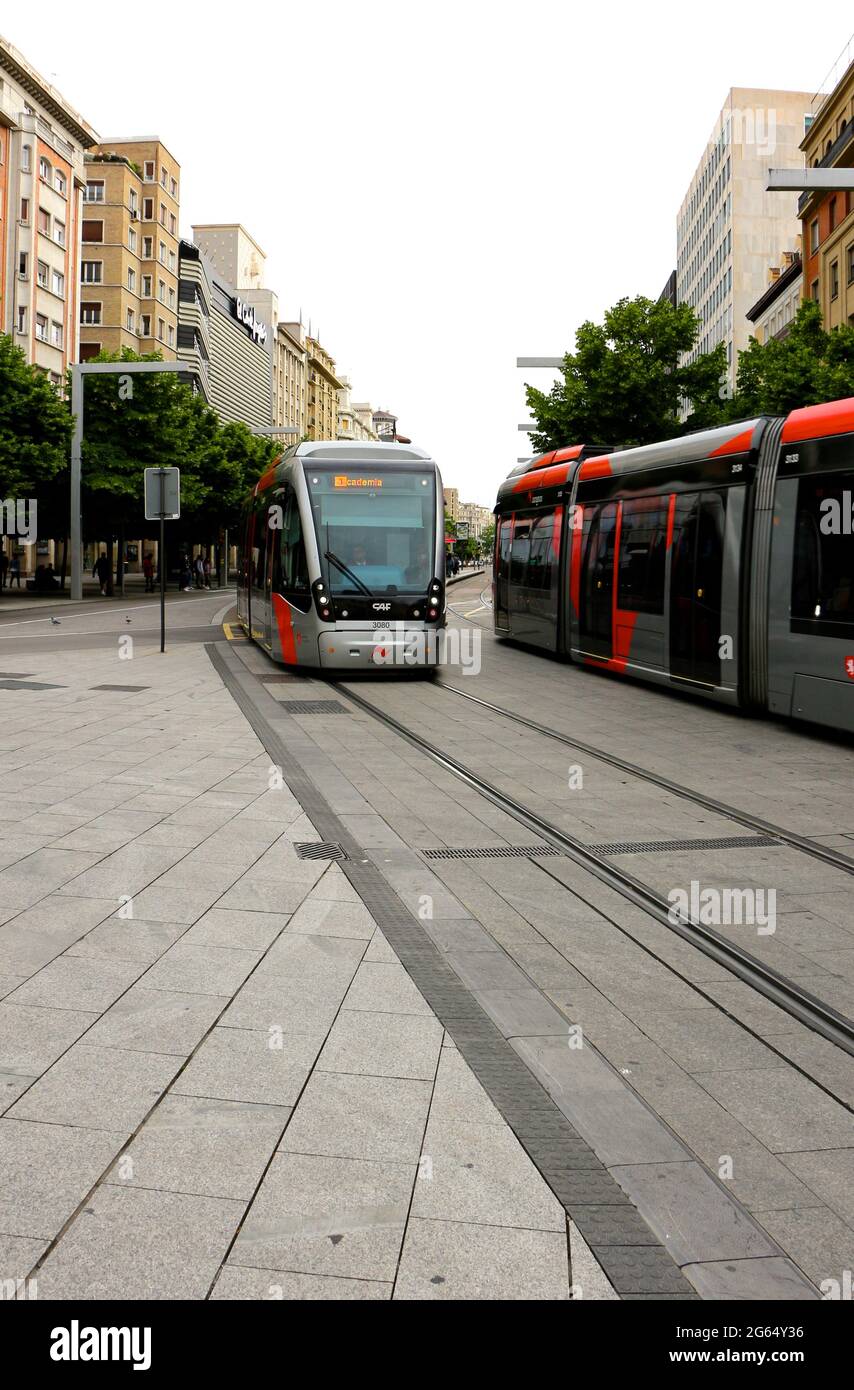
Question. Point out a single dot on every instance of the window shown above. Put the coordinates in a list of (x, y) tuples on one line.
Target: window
[(133, 202), (90, 312), (42, 273), (643, 542), (161, 330), (161, 291), (172, 261), (132, 281), (25, 209), (164, 177), (539, 573), (148, 248), (45, 170), (173, 187), (26, 159), (146, 286), (57, 283), (41, 327), (148, 209), (92, 272), (520, 549), (173, 223), (823, 571), (22, 318), (171, 298), (56, 334), (145, 325), (814, 236), (832, 213), (814, 290), (597, 578), (291, 575), (163, 214), (130, 321), (148, 174), (131, 240), (59, 232), (59, 182), (94, 191), (44, 222), (171, 336), (88, 351), (23, 266), (834, 279), (850, 254), (162, 252)]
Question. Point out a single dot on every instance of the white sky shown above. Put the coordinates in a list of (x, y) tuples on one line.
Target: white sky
[(441, 187)]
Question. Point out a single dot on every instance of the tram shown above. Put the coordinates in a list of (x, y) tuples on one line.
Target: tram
[(342, 557), (721, 562)]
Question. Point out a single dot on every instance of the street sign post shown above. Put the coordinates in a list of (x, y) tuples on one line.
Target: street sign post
[(462, 530), (162, 503)]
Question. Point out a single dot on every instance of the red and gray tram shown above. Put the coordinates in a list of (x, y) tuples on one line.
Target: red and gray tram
[(343, 557), (721, 562)]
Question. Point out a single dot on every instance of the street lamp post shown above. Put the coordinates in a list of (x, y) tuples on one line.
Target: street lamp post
[(78, 374)]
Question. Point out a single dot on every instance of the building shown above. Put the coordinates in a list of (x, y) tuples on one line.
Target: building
[(223, 342), (385, 424), (323, 388), (729, 227), (669, 294), (773, 312), (42, 176), (827, 219), (290, 381), (477, 518), (354, 422), (129, 258), (452, 502)]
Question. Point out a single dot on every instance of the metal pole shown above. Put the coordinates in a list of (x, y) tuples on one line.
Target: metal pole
[(75, 526), (162, 561)]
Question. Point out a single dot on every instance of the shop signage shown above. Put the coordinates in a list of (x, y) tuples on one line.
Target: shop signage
[(245, 314)]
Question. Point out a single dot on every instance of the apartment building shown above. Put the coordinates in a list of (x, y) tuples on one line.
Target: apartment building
[(354, 422), (129, 259), (828, 218), (290, 378), (452, 502), (729, 227), (772, 314), (323, 387), (477, 518), (42, 146)]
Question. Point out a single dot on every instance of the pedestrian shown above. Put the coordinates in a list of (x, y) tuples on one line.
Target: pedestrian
[(186, 574), (15, 571), (4, 565), (207, 571), (148, 571), (199, 567), (101, 571)]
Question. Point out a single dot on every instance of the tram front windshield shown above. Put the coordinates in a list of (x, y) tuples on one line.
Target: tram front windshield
[(376, 529)]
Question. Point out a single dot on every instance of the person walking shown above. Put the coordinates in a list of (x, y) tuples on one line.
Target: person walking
[(101, 571), (199, 568), (148, 571), (186, 582), (15, 571), (207, 570), (4, 565)]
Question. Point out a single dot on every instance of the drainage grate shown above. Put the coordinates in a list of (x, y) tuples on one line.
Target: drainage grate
[(319, 849), (28, 685), (120, 687), (279, 679), (662, 846), (312, 707), (493, 852)]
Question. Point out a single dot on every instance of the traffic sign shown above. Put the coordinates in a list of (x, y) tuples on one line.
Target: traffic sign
[(162, 494)]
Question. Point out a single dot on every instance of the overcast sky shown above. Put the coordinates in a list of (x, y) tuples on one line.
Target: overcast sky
[(440, 187)]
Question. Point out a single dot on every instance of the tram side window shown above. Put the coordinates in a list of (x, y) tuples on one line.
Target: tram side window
[(292, 570), (519, 551), (643, 544), (823, 569), (539, 574), (259, 546)]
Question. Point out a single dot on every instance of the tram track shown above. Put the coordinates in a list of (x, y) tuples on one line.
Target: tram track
[(787, 994)]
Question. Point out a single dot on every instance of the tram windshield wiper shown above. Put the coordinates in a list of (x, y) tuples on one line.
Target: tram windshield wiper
[(345, 569)]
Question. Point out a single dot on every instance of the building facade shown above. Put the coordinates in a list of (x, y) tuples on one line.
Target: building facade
[(385, 424), (42, 177), (223, 343), (772, 314), (729, 227), (354, 422), (476, 517), (129, 259), (452, 502), (323, 388), (828, 218), (290, 381)]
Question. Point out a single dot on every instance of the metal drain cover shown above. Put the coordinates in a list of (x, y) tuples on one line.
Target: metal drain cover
[(491, 852), (318, 849), (312, 707), (662, 846), (119, 687)]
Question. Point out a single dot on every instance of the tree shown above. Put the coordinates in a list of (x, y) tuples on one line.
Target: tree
[(35, 426), (624, 383), (806, 367)]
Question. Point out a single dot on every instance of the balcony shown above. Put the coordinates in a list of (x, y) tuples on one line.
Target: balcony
[(831, 159)]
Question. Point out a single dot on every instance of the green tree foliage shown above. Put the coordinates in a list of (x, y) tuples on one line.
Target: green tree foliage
[(35, 426), (806, 367), (624, 383)]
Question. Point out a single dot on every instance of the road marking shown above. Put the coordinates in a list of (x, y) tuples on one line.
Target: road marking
[(229, 630), (102, 608), (481, 609)]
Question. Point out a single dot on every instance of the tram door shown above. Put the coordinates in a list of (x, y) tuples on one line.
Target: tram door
[(502, 572), (696, 580), (597, 582)]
